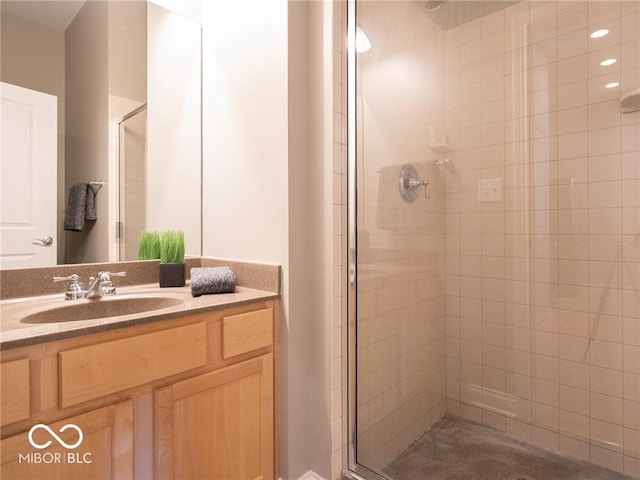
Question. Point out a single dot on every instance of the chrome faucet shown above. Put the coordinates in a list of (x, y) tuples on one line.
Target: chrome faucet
[(101, 284), (74, 290), (98, 286)]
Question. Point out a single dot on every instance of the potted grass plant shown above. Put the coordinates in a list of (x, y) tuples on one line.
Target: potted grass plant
[(149, 246), (172, 266)]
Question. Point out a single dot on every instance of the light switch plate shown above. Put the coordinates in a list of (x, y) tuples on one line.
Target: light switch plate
[(490, 190)]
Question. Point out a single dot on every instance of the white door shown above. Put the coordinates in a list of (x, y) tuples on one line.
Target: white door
[(28, 178)]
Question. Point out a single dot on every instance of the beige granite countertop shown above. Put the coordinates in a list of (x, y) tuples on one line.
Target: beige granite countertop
[(14, 334)]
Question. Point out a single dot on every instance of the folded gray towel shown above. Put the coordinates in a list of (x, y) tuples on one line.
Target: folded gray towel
[(90, 210), (76, 207), (206, 280), (81, 206)]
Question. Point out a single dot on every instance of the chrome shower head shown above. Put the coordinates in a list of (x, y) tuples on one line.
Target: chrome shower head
[(433, 5)]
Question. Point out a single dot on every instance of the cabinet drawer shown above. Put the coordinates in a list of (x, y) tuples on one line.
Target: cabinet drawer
[(97, 370), (247, 332), (14, 392)]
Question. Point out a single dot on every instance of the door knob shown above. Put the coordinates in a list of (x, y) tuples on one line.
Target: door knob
[(45, 242)]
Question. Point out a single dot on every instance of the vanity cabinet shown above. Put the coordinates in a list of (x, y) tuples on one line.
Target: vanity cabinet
[(106, 450), (190, 397), (217, 425)]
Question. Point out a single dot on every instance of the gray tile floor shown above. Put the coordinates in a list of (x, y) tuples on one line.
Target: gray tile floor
[(457, 449)]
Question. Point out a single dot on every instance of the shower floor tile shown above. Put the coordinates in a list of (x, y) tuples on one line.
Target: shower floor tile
[(457, 449)]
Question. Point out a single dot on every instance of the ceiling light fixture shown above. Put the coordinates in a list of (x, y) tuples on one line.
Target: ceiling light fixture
[(600, 33), (612, 85)]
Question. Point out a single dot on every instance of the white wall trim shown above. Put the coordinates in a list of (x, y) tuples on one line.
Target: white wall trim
[(310, 475)]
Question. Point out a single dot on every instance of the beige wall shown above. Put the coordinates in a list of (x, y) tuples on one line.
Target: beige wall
[(542, 337), (296, 339), (275, 191), (245, 130), (317, 241), (245, 172), (128, 50), (87, 128), (127, 25), (174, 126), (32, 56)]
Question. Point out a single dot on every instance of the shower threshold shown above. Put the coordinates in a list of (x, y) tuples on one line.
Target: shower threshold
[(458, 449)]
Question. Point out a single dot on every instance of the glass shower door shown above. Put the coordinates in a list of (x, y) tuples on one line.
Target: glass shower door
[(132, 198), (401, 154), (494, 150)]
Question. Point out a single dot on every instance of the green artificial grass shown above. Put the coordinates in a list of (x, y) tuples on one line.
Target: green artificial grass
[(172, 247), (149, 246)]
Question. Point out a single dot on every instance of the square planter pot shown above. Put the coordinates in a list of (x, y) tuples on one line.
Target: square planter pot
[(172, 274)]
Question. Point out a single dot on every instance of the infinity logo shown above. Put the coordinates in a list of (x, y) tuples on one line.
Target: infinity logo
[(53, 434)]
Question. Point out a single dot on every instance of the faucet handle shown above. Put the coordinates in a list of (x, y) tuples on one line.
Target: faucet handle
[(74, 290), (106, 276), (72, 278)]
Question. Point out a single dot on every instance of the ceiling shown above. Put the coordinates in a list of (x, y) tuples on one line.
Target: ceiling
[(54, 14)]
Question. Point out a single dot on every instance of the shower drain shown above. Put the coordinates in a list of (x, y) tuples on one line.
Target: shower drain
[(519, 476)]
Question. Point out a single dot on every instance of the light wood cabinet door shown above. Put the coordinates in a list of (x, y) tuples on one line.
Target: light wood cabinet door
[(219, 425), (105, 450), (14, 391)]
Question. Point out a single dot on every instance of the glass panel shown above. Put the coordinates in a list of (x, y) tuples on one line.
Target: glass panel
[(133, 143), (401, 243), (498, 239)]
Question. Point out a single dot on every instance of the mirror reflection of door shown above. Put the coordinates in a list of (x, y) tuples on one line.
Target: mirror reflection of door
[(28, 218), (132, 152)]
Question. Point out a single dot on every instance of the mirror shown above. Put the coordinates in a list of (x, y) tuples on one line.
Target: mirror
[(125, 78)]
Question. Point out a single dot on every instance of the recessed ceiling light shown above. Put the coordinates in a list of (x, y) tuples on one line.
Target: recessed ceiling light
[(608, 61), (599, 33), (612, 85)]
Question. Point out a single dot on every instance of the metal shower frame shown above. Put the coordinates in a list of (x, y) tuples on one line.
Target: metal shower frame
[(353, 469)]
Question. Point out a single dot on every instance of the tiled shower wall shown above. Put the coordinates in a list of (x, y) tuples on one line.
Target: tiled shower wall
[(543, 261), (133, 164), (401, 328)]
